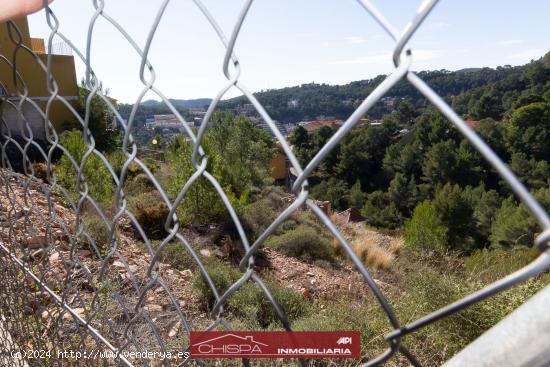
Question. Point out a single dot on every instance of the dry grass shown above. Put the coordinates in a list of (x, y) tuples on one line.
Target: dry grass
[(396, 245), (373, 255)]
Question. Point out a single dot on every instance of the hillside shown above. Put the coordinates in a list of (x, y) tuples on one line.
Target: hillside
[(307, 101), (183, 103)]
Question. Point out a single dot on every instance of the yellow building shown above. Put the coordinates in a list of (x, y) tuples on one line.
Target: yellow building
[(278, 164), (34, 77)]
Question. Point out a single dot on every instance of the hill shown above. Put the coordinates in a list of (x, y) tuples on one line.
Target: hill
[(183, 103)]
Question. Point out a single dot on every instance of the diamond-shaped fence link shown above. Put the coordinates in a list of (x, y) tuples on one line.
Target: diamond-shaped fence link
[(87, 306)]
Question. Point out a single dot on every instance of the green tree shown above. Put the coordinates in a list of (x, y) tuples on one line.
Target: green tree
[(238, 156), (432, 128), (100, 119), (301, 144), (514, 225), (424, 229), (361, 154), (440, 163), (95, 174), (406, 112), (488, 106), (333, 190), (535, 174), (356, 197), (405, 159), (379, 211), (455, 212), (528, 130), (403, 193)]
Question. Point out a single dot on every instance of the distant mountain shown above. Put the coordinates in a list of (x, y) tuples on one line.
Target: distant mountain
[(182, 103)]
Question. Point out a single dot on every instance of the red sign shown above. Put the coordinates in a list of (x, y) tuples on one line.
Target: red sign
[(275, 344)]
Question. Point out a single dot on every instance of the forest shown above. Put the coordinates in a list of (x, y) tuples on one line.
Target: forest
[(432, 178)]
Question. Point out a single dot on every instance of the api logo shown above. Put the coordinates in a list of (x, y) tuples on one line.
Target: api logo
[(344, 340)]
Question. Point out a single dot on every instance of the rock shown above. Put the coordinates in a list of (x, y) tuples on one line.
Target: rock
[(38, 254), (67, 316), (59, 234), (36, 242), (119, 264), (153, 308), (47, 314), (306, 294), (205, 252), (54, 257), (85, 253), (174, 330), (60, 245)]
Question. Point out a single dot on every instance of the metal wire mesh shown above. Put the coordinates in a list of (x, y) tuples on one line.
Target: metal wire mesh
[(92, 307)]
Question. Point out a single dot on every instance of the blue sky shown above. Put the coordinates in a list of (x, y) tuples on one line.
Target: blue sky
[(290, 42)]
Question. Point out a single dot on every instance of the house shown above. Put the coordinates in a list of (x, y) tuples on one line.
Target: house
[(350, 215), (33, 78), (279, 164), (471, 123), (313, 126), (167, 125)]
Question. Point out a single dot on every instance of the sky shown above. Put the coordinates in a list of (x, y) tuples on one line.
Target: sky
[(292, 42)]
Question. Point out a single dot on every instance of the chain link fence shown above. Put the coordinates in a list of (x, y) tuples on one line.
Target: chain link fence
[(58, 294)]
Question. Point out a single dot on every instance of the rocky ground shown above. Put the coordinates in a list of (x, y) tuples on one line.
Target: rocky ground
[(105, 291)]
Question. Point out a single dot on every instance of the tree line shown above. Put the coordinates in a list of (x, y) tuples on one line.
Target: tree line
[(431, 180)]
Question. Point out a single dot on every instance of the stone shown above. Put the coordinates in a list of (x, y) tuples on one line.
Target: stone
[(187, 274), (36, 242), (38, 254)]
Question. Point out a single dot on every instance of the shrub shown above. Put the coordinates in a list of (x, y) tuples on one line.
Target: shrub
[(98, 232), (380, 212), (342, 314), (222, 275), (118, 159), (373, 255), (424, 229), (257, 216), (98, 177), (176, 254), (454, 209), (40, 171), (514, 224), (251, 303), (303, 243), (139, 184), (151, 212), (489, 265)]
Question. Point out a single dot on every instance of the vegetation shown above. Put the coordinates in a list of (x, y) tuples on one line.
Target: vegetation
[(238, 158), (302, 242), (96, 175), (151, 212), (431, 177), (96, 234), (413, 174)]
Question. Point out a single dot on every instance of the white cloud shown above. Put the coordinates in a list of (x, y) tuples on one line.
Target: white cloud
[(527, 55), (508, 42), (355, 39)]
